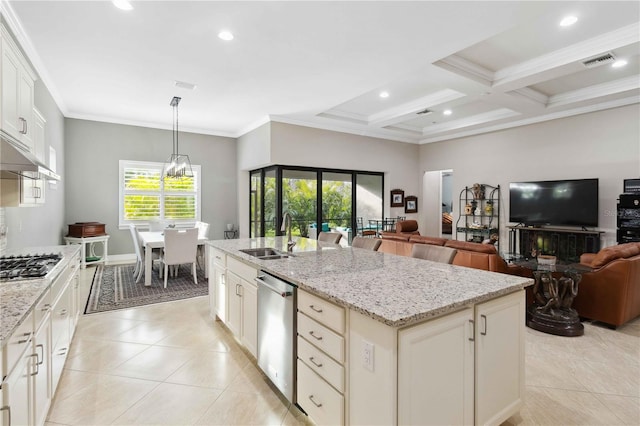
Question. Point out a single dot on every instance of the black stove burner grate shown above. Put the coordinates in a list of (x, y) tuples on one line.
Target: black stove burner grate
[(29, 266)]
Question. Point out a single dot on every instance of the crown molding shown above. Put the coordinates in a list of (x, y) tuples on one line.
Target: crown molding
[(596, 91), (466, 68), (531, 95), (400, 112), (478, 119)]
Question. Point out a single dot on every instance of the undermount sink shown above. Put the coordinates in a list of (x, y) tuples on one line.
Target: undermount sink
[(266, 253)]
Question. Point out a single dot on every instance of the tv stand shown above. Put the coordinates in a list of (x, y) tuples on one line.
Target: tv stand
[(564, 243)]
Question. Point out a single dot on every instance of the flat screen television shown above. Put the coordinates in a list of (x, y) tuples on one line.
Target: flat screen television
[(554, 202)]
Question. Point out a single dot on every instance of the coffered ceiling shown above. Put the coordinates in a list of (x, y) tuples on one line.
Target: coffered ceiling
[(493, 65)]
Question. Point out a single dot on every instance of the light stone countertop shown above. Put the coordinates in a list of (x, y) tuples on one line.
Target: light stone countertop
[(395, 290), (18, 298)]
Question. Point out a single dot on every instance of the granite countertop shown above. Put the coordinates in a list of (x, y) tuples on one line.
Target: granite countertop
[(18, 298), (395, 290)]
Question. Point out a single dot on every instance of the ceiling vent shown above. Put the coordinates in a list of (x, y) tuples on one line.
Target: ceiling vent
[(607, 58), (425, 111)]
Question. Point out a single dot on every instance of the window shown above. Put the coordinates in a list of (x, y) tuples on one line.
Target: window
[(144, 197)]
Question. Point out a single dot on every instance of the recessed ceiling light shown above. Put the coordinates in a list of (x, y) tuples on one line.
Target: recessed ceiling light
[(619, 63), (122, 4), (568, 21), (447, 112), (384, 94), (225, 35)]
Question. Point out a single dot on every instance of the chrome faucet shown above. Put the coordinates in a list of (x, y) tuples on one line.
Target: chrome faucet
[(286, 225)]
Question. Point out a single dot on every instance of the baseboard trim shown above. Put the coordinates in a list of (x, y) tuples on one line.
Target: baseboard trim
[(116, 259)]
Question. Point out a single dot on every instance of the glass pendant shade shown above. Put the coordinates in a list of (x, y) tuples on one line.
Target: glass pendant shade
[(178, 165)]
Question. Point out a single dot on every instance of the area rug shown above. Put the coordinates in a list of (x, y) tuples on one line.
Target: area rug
[(114, 287)]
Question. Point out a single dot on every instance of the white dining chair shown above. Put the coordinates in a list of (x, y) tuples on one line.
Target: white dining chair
[(138, 271), (180, 247), (203, 234)]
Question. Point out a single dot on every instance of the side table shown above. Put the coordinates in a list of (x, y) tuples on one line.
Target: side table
[(90, 257), (554, 289)]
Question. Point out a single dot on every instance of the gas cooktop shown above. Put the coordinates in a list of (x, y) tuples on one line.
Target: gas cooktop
[(15, 268)]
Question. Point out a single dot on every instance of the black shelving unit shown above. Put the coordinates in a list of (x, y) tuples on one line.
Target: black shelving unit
[(628, 218), (479, 208)]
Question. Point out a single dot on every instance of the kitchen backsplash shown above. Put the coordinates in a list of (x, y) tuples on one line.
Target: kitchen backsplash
[(3, 232)]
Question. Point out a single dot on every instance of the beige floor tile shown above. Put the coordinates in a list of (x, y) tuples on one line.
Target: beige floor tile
[(295, 417), (103, 326), (609, 378), (74, 381), (147, 333), (251, 380), (239, 408), (100, 403), (545, 406), (155, 363), (170, 404), (553, 372), (209, 369), (104, 357), (627, 409)]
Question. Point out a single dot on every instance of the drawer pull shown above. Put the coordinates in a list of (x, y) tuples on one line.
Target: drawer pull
[(314, 336), (8, 409), (37, 365), (28, 338), (41, 359), (63, 312), (46, 307), (314, 363), (318, 310), (314, 403), (473, 331)]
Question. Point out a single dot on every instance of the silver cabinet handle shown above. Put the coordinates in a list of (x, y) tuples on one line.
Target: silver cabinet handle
[(318, 310), (45, 307), (8, 410), (484, 317), (315, 363), (28, 337), (24, 125), (35, 373), (62, 351), (473, 331), (314, 336), (41, 360), (63, 312), (314, 403)]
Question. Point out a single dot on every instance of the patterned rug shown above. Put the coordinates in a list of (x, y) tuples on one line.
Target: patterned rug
[(114, 287)]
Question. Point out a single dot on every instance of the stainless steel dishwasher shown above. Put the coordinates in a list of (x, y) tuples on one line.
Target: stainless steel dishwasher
[(277, 332)]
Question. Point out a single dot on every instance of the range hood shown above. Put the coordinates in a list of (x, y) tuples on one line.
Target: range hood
[(16, 161)]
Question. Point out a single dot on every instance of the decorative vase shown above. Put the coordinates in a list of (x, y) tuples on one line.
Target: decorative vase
[(488, 208), (229, 226), (467, 209)]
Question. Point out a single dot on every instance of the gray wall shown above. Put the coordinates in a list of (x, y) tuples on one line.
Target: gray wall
[(93, 153), (604, 145)]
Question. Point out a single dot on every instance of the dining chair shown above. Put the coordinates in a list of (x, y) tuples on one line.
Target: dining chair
[(366, 243), (203, 234), (330, 237), (158, 225), (180, 247), (138, 271), (434, 253)]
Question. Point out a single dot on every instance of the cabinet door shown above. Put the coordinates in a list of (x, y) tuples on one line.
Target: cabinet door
[(435, 371), (10, 92), (17, 392), (500, 358), (38, 134), (32, 192), (219, 298), (42, 379), (25, 108), (234, 314), (250, 317)]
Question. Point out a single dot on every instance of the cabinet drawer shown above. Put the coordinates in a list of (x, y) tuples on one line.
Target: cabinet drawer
[(319, 362), (43, 306), (323, 403), (249, 273), (321, 337), (18, 343), (219, 258), (322, 311), (60, 317)]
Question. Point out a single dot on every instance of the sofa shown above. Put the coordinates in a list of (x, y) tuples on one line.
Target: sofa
[(471, 255), (610, 293)]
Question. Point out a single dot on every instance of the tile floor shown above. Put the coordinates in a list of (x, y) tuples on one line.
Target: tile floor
[(171, 364)]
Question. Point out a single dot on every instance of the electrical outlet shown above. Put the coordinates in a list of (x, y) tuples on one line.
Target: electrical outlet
[(367, 355)]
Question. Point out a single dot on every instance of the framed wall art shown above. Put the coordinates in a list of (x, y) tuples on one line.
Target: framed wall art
[(411, 204), (397, 198)]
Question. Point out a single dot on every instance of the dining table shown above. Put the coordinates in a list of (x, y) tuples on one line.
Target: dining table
[(155, 240)]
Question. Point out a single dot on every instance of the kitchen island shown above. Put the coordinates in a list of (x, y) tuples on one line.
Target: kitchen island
[(407, 341)]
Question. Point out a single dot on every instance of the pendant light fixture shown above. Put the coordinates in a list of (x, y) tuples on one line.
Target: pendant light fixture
[(178, 166)]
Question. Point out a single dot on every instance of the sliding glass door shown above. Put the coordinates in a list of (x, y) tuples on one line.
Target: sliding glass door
[(317, 200)]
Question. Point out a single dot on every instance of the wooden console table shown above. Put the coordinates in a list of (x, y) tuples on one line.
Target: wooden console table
[(93, 258), (566, 244)]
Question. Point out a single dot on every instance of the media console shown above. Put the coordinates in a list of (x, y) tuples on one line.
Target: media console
[(566, 244)]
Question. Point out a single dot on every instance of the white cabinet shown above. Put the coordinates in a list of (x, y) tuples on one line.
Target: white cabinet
[(17, 389), (242, 314), (217, 284), (42, 375), (32, 191), (435, 371), (321, 359), (499, 357), (17, 84)]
